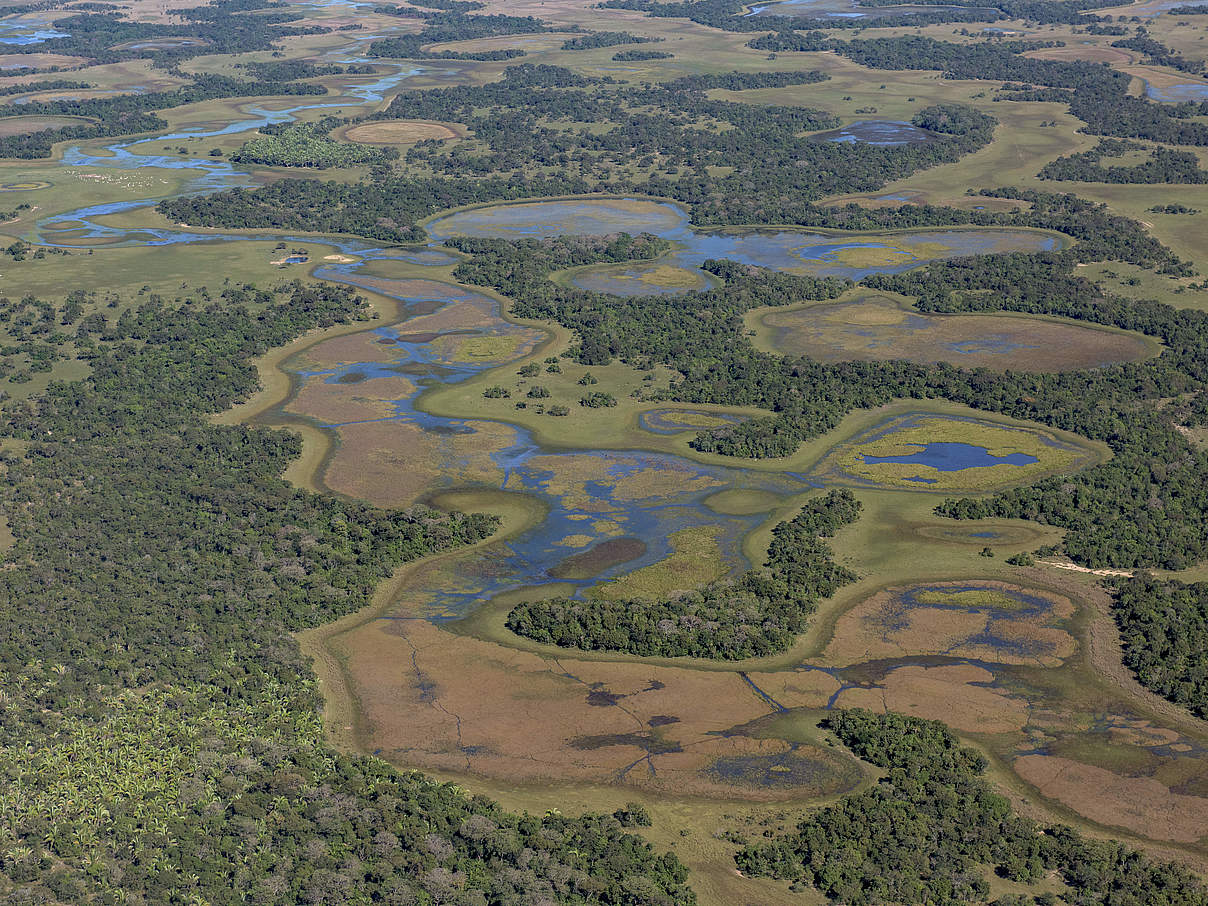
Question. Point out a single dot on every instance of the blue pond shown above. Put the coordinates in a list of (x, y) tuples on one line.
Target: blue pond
[(885, 133), (1187, 91), (25, 33), (949, 456)]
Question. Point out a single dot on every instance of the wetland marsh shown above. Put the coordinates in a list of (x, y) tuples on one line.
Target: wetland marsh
[(447, 400)]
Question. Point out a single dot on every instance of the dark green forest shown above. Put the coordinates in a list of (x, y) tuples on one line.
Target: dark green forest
[(519, 152), (1164, 629), (1163, 165)]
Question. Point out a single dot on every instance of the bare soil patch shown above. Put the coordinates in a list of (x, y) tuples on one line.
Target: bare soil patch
[(1091, 53)]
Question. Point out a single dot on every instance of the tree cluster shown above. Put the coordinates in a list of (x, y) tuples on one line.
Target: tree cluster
[(931, 827), (759, 613), (1164, 630)]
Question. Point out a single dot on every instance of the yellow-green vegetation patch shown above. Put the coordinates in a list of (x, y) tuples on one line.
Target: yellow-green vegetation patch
[(885, 256), (666, 420), (742, 501), (476, 349), (669, 277), (970, 598), (576, 541), (950, 453), (695, 559)]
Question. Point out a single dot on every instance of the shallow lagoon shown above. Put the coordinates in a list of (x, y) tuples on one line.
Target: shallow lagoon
[(947, 453), (887, 133), (1177, 93), (834, 254), (877, 328), (951, 456)]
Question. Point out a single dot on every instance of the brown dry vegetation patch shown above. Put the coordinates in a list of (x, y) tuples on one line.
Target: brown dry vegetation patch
[(17, 61), (23, 125), (878, 329), (398, 132), (801, 688), (396, 463), (956, 694), (1091, 53), (887, 626), (338, 403), (434, 700), (1140, 804), (463, 315), (346, 350)]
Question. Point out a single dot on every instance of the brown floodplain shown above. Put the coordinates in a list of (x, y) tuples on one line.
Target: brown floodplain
[(982, 626), (24, 125), (879, 328)]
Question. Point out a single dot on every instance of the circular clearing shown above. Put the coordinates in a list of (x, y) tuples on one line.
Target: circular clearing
[(23, 186), (398, 132)]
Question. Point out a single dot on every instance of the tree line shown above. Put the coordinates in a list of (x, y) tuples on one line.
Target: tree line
[(1163, 165)]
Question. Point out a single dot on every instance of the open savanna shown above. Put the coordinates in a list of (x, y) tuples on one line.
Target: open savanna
[(50, 189), (106, 80), (163, 270), (128, 276)]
